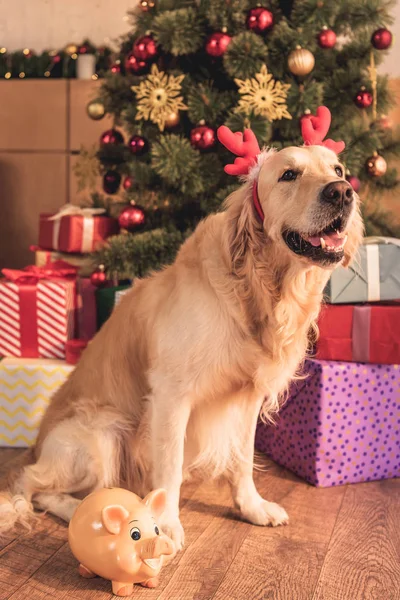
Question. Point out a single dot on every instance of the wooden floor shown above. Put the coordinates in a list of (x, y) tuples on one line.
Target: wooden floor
[(341, 544)]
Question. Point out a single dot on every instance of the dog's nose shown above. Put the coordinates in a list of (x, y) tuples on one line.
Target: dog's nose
[(337, 192)]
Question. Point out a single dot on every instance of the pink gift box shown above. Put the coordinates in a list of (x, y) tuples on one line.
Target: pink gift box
[(340, 425)]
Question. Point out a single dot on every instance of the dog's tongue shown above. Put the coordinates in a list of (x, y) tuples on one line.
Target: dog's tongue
[(331, 239)]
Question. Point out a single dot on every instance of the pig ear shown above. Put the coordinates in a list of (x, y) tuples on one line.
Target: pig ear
[(113, 517), (156, 500)]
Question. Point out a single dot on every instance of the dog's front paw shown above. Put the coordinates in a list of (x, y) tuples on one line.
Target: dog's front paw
[(266, 513), (172, 527)]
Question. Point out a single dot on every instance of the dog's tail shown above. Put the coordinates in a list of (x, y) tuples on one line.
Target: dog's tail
[(15, 499)]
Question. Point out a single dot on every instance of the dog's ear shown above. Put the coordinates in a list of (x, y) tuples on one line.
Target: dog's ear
[(355, 236), (243, 225)]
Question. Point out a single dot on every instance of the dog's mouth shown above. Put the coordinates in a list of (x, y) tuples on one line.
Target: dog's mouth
[(326, 246)]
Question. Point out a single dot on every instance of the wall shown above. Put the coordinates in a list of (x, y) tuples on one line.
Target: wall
[(40, 24), (38, 145)]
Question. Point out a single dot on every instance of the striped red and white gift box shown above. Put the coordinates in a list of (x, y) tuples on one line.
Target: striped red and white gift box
[(36, 319)]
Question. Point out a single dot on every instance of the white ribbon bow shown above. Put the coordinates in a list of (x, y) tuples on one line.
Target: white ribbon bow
[(72, 209)]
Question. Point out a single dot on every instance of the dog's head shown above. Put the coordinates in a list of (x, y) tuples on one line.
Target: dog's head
[(309, 208)]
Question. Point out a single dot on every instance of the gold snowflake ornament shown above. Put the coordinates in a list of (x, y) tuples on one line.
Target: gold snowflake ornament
[(87, 168), (158, 96), (263, 96)]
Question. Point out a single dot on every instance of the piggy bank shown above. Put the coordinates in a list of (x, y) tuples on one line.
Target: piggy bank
[(114, 534)]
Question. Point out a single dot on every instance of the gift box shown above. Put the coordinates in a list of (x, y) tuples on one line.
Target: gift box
[(37, 311), (86, 316), (74, 350), (340, 425), (105, 302), (119, 295), (74, 229), (82, 262), (367, 333), (26, 387), (374, 275)]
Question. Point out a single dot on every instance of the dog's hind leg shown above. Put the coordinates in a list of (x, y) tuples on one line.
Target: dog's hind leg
[(72, 459), (60, 505), (251, 505)]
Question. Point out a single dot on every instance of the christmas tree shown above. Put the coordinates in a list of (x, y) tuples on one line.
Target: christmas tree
[(189, 66)]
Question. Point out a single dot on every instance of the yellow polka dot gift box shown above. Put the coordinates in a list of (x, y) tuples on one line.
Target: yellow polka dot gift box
[(26, 387)]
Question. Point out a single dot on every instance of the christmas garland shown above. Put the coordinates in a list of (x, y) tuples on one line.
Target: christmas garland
[(26, 64)]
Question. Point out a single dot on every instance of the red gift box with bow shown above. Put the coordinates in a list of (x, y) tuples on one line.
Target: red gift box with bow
[(360, 333), (37, 310), (75, 229)]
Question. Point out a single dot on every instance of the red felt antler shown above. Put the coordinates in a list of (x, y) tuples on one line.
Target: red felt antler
[(314, 129), (245, 146)]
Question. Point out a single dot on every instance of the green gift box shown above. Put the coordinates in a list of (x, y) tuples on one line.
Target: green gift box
[(374, 275), (105, 301)]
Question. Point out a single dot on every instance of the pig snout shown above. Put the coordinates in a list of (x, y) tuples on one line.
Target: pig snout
[(156, 547)]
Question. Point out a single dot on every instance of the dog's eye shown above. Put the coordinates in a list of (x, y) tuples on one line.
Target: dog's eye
[(289, 175), (156, 530), (135, 534), (339, 171)]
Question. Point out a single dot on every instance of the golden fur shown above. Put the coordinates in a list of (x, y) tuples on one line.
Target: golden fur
[(175, 380)]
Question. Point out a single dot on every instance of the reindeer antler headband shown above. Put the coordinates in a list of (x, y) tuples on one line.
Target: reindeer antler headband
[(245, 146)]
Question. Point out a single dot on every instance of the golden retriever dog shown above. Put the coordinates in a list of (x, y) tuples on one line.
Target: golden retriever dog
[(176, 379)]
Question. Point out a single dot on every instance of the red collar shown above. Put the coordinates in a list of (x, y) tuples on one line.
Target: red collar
[(257, 203)]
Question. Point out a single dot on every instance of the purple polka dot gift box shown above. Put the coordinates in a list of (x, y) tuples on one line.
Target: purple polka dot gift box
[(340, 425)]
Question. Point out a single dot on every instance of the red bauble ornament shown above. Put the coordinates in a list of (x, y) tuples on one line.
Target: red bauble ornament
[(112, 137), (111, 182), (202, 138), (135, 66), (326, 38), (217, 43), (354, 182), (56, 59), (138, 145), (363, 99), (128, 182), (145, 48), (260, 20), (84, 49), (132, 218), (381, 39), (116, 68), (98, 278)]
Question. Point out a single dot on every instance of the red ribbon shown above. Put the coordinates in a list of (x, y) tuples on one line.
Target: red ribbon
[(27, 280), (32, 274)]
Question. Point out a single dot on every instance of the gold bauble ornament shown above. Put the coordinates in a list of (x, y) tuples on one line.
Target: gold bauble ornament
[(172, 120), (301, 61), (95, 110), (71, 49), (376, 165), (146, 5)]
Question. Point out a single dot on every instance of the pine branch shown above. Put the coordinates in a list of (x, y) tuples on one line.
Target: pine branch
[(260, 125), (178, 164), (135, 255), (230, 14), (245, 55), (116, 94), (206, 103), (179, 31), (359, 14)]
